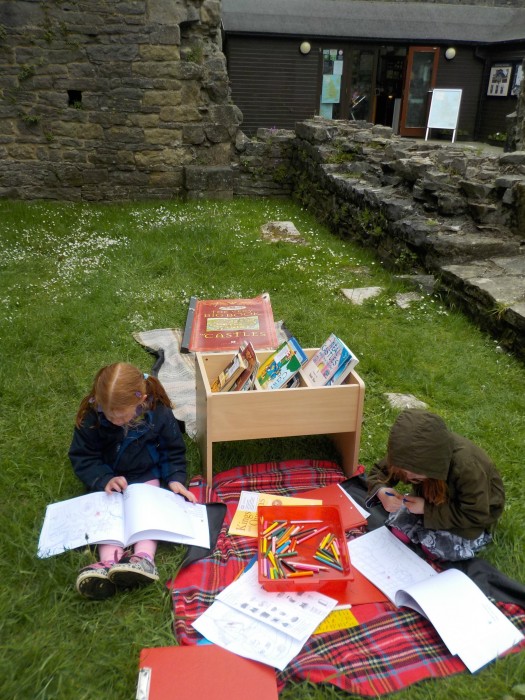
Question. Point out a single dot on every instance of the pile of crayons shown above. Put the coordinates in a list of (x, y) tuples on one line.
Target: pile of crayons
[(281, 558)]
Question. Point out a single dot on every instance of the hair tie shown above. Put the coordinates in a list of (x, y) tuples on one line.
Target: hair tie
[(146, 375)]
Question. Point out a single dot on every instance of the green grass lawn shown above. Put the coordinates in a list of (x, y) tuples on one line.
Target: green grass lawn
[(77, 280)]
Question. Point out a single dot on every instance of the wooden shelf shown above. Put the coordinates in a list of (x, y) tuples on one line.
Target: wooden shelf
[(248, 415)]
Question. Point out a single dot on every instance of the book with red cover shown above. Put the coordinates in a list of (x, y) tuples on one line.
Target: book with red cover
[(334, 495), (218, 325), (202, 671)]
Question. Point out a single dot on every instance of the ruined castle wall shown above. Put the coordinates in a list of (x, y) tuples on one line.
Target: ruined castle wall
[(109, 100)]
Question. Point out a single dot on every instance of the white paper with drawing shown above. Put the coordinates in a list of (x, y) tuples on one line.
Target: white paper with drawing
[(141, 512), (467, 622), (387, 562), (260, 625)]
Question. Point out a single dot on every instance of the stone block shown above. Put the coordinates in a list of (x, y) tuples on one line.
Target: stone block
[(509, 180), (315, 132), (360, 294), (208, 178), (451, 204), (514, 158), (163, 137), (210, 13), (477, 191), (161, 98), (167, 14), (158, 52), (182, 113), (157, 69), (193, 133), (217, 133), (164, 159)]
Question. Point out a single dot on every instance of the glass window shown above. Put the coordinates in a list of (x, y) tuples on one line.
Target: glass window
[(361, 87)]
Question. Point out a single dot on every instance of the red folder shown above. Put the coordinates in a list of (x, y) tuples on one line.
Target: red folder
[(202, 671), (334, 495), (359, 590)]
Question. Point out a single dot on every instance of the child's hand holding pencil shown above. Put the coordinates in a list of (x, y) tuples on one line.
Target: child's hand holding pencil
[(391, 499)]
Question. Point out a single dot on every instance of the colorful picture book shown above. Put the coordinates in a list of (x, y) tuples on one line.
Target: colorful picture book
[(141, 512), (331, 364), (282, 365), (217, 325), (468, 623)]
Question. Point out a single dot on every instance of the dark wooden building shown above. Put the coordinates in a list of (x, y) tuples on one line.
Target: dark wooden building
[(379, 61)]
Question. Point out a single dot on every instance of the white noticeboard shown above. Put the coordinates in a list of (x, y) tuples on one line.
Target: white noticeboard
[(444, 110)]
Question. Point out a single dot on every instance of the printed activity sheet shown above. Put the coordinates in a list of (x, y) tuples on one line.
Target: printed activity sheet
[(264, 626)]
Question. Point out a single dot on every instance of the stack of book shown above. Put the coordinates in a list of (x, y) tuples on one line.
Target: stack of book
[(331, 364), (240, 373)]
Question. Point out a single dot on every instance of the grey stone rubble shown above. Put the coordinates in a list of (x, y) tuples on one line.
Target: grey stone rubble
[(359, 295), (282, 231), (452, 214), (403, 401)]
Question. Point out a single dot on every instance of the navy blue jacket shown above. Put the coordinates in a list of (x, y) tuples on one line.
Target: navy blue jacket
[(153, 448)]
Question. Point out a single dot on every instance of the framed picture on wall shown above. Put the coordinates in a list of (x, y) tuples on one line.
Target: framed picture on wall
[(499, 80), (518, 77)]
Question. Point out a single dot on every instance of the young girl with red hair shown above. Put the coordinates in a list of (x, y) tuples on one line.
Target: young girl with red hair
[(126, 433)]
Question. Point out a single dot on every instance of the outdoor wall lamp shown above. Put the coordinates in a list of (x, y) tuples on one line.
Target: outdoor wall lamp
[(305, 48), (450, 53)]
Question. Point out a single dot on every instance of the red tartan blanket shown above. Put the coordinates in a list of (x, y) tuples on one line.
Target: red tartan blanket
[(392, 650)]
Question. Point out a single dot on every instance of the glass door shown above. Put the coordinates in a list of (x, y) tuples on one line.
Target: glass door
[(420, 78), (362, 81)]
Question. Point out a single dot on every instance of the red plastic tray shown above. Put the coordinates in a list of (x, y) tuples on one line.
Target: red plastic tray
[(324, 521)]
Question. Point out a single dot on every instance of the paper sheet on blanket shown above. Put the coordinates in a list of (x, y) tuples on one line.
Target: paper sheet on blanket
[(264, 626)]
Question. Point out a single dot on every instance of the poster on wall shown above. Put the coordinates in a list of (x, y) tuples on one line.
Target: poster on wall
[(331, 89), (499, 80), (516, 83)]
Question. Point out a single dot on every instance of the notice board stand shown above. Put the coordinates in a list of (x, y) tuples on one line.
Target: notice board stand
[(444, 110)]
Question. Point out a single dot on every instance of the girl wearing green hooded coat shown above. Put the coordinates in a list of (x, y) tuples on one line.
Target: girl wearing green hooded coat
[(457, 493)]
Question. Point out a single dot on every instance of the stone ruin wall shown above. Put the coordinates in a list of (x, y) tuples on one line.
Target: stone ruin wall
[(411, 189), (108, 100), (422, 206)]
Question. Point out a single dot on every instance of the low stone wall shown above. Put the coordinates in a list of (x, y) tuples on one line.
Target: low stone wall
[(421, 205)]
